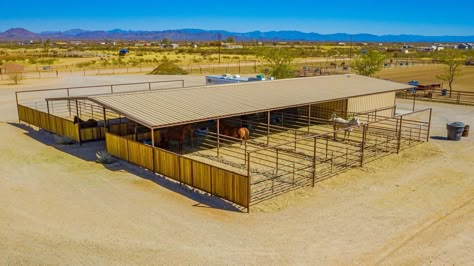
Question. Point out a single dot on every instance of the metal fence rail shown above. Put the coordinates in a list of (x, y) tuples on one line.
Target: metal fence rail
[(437, 95)]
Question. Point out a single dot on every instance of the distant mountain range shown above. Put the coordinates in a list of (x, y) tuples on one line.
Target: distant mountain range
[(20, 34)]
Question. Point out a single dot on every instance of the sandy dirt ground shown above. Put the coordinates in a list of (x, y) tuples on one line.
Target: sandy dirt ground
[(427, 75), (60, 207)]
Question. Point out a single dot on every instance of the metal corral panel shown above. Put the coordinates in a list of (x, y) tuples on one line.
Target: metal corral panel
[(372, 102), (163, 108)]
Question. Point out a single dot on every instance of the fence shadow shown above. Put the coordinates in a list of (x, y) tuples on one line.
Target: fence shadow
[(438, 138), (88, 150)]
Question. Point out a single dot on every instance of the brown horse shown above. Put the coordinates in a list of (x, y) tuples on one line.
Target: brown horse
[(177, 134), (241, 133)]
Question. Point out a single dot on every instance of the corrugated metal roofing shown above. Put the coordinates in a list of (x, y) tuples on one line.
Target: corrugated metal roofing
[(161, 108)]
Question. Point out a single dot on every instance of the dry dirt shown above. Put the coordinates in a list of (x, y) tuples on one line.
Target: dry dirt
[(427, 74), (59, 207)]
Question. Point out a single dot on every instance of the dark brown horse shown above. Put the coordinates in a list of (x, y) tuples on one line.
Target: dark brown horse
[(177, 134), (241, 133), (85, 124)]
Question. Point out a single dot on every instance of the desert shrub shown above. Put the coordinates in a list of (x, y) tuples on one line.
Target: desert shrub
[(15, 77), (63, 140), (104, 157)]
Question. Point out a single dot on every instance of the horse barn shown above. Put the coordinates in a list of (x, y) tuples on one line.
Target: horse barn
[(244, 143)]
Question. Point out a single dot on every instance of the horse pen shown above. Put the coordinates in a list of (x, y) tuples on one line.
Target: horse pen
[(293, 141)]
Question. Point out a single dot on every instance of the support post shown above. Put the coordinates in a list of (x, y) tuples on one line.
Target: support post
[(309, 117), (105, 121), (152, 148), (314, 161), (218, 136), (17, 109), (68, 102), (414, 100), (295, 138), (400, 135), (149, 86), (276, 166), (429, 126), (249, 189), (245, 152), (136, 134), (268, 127), (47, 107), (78, 124), (111, 89), (364, 140)]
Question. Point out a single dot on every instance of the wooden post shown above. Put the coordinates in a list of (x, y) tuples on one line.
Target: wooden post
[(218, 136), (111, 89), (268, 127), (414, 100), (400, 135), (149, 86), (314, 161), (78, 124)]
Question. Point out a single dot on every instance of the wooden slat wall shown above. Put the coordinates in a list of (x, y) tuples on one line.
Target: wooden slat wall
[(220, 182), (372, 102), (51, 123), (140, 154), (323, 110), (167, 163), (92, 133)]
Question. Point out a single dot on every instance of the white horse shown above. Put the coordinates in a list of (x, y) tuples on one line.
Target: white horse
[(348, 125)]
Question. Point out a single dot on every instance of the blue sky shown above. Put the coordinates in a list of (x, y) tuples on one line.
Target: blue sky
[(376, 17)]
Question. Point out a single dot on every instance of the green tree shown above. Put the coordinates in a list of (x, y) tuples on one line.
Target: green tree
[(369, 63), (15, 77), (279, 60), (166, 42), (453, 60), (230, 39)]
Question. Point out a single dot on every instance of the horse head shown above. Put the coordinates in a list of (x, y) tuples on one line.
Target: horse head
[(77, 120), (355, 121)]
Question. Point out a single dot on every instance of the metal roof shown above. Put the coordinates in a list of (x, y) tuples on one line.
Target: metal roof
[(169, 107)]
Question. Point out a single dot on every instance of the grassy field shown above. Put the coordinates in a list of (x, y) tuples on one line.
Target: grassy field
[(427, 74)]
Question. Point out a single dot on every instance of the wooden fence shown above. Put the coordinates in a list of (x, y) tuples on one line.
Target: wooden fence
[(51, 123), (211, 179)]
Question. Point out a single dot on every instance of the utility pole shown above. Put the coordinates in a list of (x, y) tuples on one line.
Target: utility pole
[(350, 51), (219, 44)]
